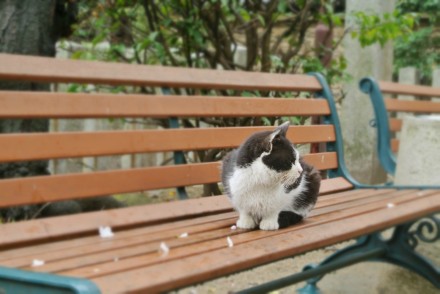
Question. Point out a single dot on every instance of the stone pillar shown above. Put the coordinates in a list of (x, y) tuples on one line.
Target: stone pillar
[(240, 56), (359, 137), (408, 76), (89, 164), (418, 161), (436, 81)]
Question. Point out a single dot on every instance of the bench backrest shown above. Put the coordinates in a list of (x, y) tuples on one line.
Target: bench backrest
[(206, 102), (387, 107)]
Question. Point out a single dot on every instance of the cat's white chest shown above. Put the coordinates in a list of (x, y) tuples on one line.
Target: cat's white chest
[(257, 191)]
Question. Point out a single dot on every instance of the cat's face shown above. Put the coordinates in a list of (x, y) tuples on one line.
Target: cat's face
[(275, 152)]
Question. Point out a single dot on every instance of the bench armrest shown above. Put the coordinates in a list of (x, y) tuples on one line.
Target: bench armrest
[(386, 157)]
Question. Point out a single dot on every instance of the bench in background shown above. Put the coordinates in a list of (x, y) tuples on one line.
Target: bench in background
[(77, 260), (386, 108)]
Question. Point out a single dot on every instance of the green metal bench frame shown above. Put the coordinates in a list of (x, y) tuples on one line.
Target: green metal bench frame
[(386, 156)]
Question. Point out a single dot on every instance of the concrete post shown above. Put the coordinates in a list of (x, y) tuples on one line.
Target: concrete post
[(240, 56), (359, 137), (436, 81), (89, 163), (409, 76), (418, 161)]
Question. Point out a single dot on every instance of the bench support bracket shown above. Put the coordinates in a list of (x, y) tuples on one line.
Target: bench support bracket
[(398, 250)]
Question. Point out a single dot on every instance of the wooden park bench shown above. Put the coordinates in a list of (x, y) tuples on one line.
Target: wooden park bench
[(383, 96), (145, 254)]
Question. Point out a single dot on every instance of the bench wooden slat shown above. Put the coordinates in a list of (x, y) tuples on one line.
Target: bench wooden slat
[(63, 249), (202, 243), (334, 185), (148, 244), (43, 69), (416, 90), (395, 124), (193, 269), (62, 187), (126, 246), (395, 145), (412, 106), (70, 105), (20, 254), (19, 257), (82, 185), (58, 227), (34, 146)]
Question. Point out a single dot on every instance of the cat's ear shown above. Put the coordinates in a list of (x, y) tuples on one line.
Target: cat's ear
[(281, 130)]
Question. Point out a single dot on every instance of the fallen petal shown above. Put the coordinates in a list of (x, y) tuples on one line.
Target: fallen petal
[(230, 243), (105, 232), (164, 249), (37, 262)]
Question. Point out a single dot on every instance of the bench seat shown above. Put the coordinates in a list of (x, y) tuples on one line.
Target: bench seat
[(132, 261)]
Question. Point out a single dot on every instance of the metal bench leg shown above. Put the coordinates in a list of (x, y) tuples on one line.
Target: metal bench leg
[(398, 250), (362, 245), (404, 241)]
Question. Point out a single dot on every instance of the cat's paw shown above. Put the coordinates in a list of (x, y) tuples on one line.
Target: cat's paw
[(246, 222), (269, 224)]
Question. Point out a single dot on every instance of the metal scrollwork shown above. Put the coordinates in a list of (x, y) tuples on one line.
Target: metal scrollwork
[(426, 230)]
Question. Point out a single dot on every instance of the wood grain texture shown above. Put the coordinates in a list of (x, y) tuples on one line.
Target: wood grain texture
[(82, 185), (43, 69), (86, 223), (178, 272), (395, 124), (26, 146), (395, 145), (20, 256), (81, 105), (56, 253), (416, 90), (143, 246), (412, 106)]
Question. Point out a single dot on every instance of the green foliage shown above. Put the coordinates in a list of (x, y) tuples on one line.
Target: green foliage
[(372, 28), (420, 48), (413, 27), (206, 33)]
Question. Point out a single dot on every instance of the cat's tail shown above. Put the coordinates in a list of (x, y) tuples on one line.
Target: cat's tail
[(288, 218)]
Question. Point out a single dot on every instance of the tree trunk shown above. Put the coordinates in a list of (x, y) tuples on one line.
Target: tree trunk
[(29, 27), (26, 27)]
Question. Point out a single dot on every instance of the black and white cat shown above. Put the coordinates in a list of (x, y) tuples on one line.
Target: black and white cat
[(268, 182)]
